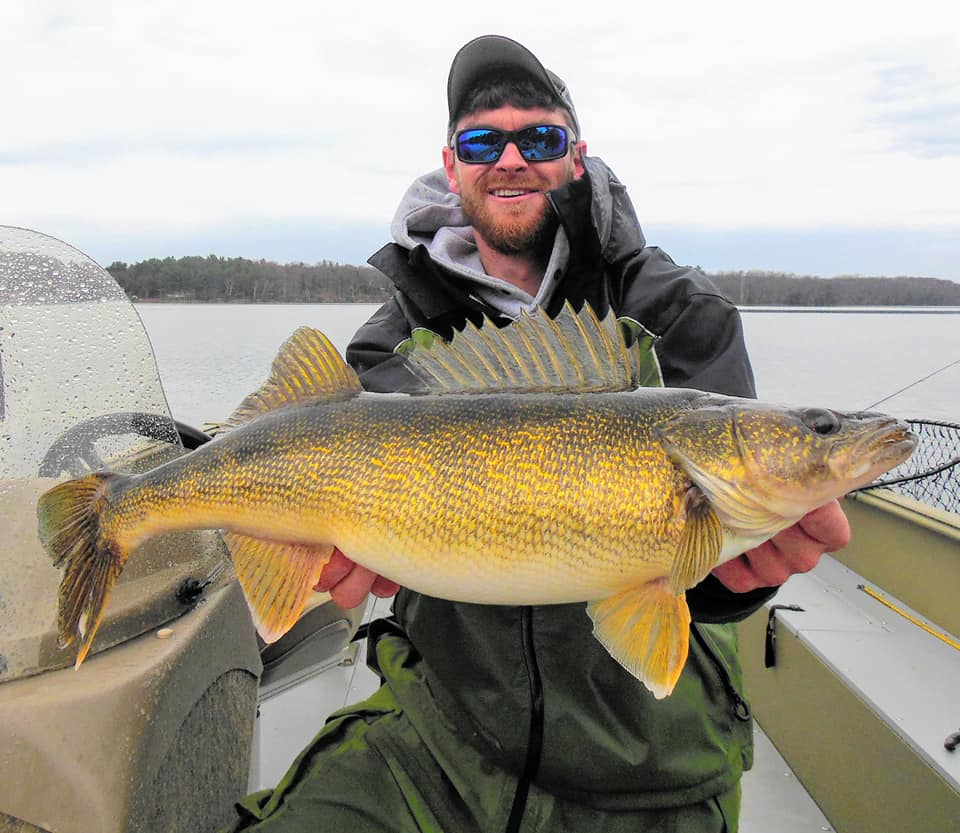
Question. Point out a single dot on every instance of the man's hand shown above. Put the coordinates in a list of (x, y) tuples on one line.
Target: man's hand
[(795, 550), (349, 584)]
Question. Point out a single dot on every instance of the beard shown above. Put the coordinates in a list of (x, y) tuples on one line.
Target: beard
[(511, 230)]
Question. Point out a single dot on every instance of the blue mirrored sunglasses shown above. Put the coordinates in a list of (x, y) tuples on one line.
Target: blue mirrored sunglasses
[(483, 145)]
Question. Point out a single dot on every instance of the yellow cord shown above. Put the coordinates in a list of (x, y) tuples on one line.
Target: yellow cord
[(908, 616)]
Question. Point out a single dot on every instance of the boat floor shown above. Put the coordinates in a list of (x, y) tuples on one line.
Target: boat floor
[(773, 798)]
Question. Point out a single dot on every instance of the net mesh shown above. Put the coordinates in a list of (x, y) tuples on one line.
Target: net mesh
[(932, 473)]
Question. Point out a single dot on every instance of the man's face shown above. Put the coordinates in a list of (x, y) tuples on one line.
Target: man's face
[(505, 201)]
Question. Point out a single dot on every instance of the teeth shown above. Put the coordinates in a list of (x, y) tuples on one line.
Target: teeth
[(508, 193)]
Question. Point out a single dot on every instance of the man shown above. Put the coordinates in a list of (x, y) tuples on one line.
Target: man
[(502, 718)]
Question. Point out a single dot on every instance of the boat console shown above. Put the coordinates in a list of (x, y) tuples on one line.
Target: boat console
[(156, 730)]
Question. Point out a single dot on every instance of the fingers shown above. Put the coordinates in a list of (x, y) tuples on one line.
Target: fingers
[(352, 590), (827, 525), (384, 588), (350, 583), (739, 574), (334, 571), (796, 549), (773, 562)]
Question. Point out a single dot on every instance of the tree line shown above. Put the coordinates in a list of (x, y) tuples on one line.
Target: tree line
[(779, 289), (240, 280)]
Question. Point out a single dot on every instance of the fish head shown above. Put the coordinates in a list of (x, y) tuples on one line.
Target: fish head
[(764, 466)]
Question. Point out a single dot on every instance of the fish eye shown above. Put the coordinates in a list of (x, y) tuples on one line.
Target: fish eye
[(820, 421)]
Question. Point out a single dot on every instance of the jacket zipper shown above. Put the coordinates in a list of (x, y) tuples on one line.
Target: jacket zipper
[(741, 708), (535, 736)]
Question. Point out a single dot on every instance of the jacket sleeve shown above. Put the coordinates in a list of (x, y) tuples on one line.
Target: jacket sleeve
[(699, 333), (699, 345)]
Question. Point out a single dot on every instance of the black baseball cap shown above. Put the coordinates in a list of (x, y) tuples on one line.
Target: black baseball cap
[(495, 54)]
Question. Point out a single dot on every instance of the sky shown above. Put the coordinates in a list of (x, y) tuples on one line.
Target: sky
[(816, 138)]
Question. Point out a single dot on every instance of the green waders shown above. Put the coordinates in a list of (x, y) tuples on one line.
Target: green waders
[(372, 770)]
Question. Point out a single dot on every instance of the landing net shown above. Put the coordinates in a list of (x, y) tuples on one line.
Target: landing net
[(932, 473)]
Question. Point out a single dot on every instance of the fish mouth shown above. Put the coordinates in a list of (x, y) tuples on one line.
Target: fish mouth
[(887, 444)]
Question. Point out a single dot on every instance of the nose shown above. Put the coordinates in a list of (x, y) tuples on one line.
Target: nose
[(511, 159)]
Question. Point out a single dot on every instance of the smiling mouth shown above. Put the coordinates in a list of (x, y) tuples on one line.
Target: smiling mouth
[(508, 193)]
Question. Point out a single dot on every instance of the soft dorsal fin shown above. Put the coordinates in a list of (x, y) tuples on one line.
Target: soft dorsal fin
[(306, 367), (574, 352)]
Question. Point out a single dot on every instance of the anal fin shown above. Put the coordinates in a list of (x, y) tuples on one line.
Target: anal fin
[(277, 578), (647, 630)]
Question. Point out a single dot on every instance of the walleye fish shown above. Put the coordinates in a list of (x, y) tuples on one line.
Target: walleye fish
[(533, 471)]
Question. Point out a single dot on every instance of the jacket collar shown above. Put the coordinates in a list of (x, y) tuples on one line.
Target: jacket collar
[(436, 293), (596, 214)]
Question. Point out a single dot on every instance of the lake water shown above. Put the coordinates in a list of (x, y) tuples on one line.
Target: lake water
[(211, 355)]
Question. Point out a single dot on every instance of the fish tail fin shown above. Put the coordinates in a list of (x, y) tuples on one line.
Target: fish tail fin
[(71, 530), (277, 578), (647, 630)]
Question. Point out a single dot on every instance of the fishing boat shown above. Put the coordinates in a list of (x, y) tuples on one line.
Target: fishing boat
[(180, 710)]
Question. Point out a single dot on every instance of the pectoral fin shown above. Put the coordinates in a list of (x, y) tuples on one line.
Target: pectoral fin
[(277, 578), (647, 630), (700, 542)]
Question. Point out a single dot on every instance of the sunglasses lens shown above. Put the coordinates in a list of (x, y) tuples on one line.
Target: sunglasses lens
[(480, 146), (541, 143), (483, 145)]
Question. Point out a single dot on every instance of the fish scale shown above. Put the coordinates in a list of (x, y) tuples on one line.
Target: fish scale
[(521, 480)]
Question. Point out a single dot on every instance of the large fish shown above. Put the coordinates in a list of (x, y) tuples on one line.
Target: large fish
[(534, 471)]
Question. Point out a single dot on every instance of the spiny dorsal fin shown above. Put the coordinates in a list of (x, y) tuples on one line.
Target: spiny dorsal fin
[(306, 367), (574, 352)]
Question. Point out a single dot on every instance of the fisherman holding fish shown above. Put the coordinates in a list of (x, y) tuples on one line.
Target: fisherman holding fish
[(515, 718), (580, 496)]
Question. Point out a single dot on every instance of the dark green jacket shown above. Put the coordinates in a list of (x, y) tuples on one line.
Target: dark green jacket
[(530, 688)]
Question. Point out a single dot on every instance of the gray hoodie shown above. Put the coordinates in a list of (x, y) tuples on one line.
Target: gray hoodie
[(431, 215)]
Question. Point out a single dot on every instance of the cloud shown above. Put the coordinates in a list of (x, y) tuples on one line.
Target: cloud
[(179, 119), (919, 104), (826, 252)]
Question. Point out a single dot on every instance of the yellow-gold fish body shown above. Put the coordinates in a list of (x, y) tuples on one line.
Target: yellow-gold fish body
[(535, 471)]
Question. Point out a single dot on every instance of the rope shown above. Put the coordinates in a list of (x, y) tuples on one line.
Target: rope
[(873, 594)]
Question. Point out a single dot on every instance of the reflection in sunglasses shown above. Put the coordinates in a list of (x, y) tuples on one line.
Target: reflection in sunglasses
[(538, 143)]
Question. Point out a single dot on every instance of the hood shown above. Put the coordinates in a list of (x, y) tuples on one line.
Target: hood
[(430, 215), (612, 213)]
